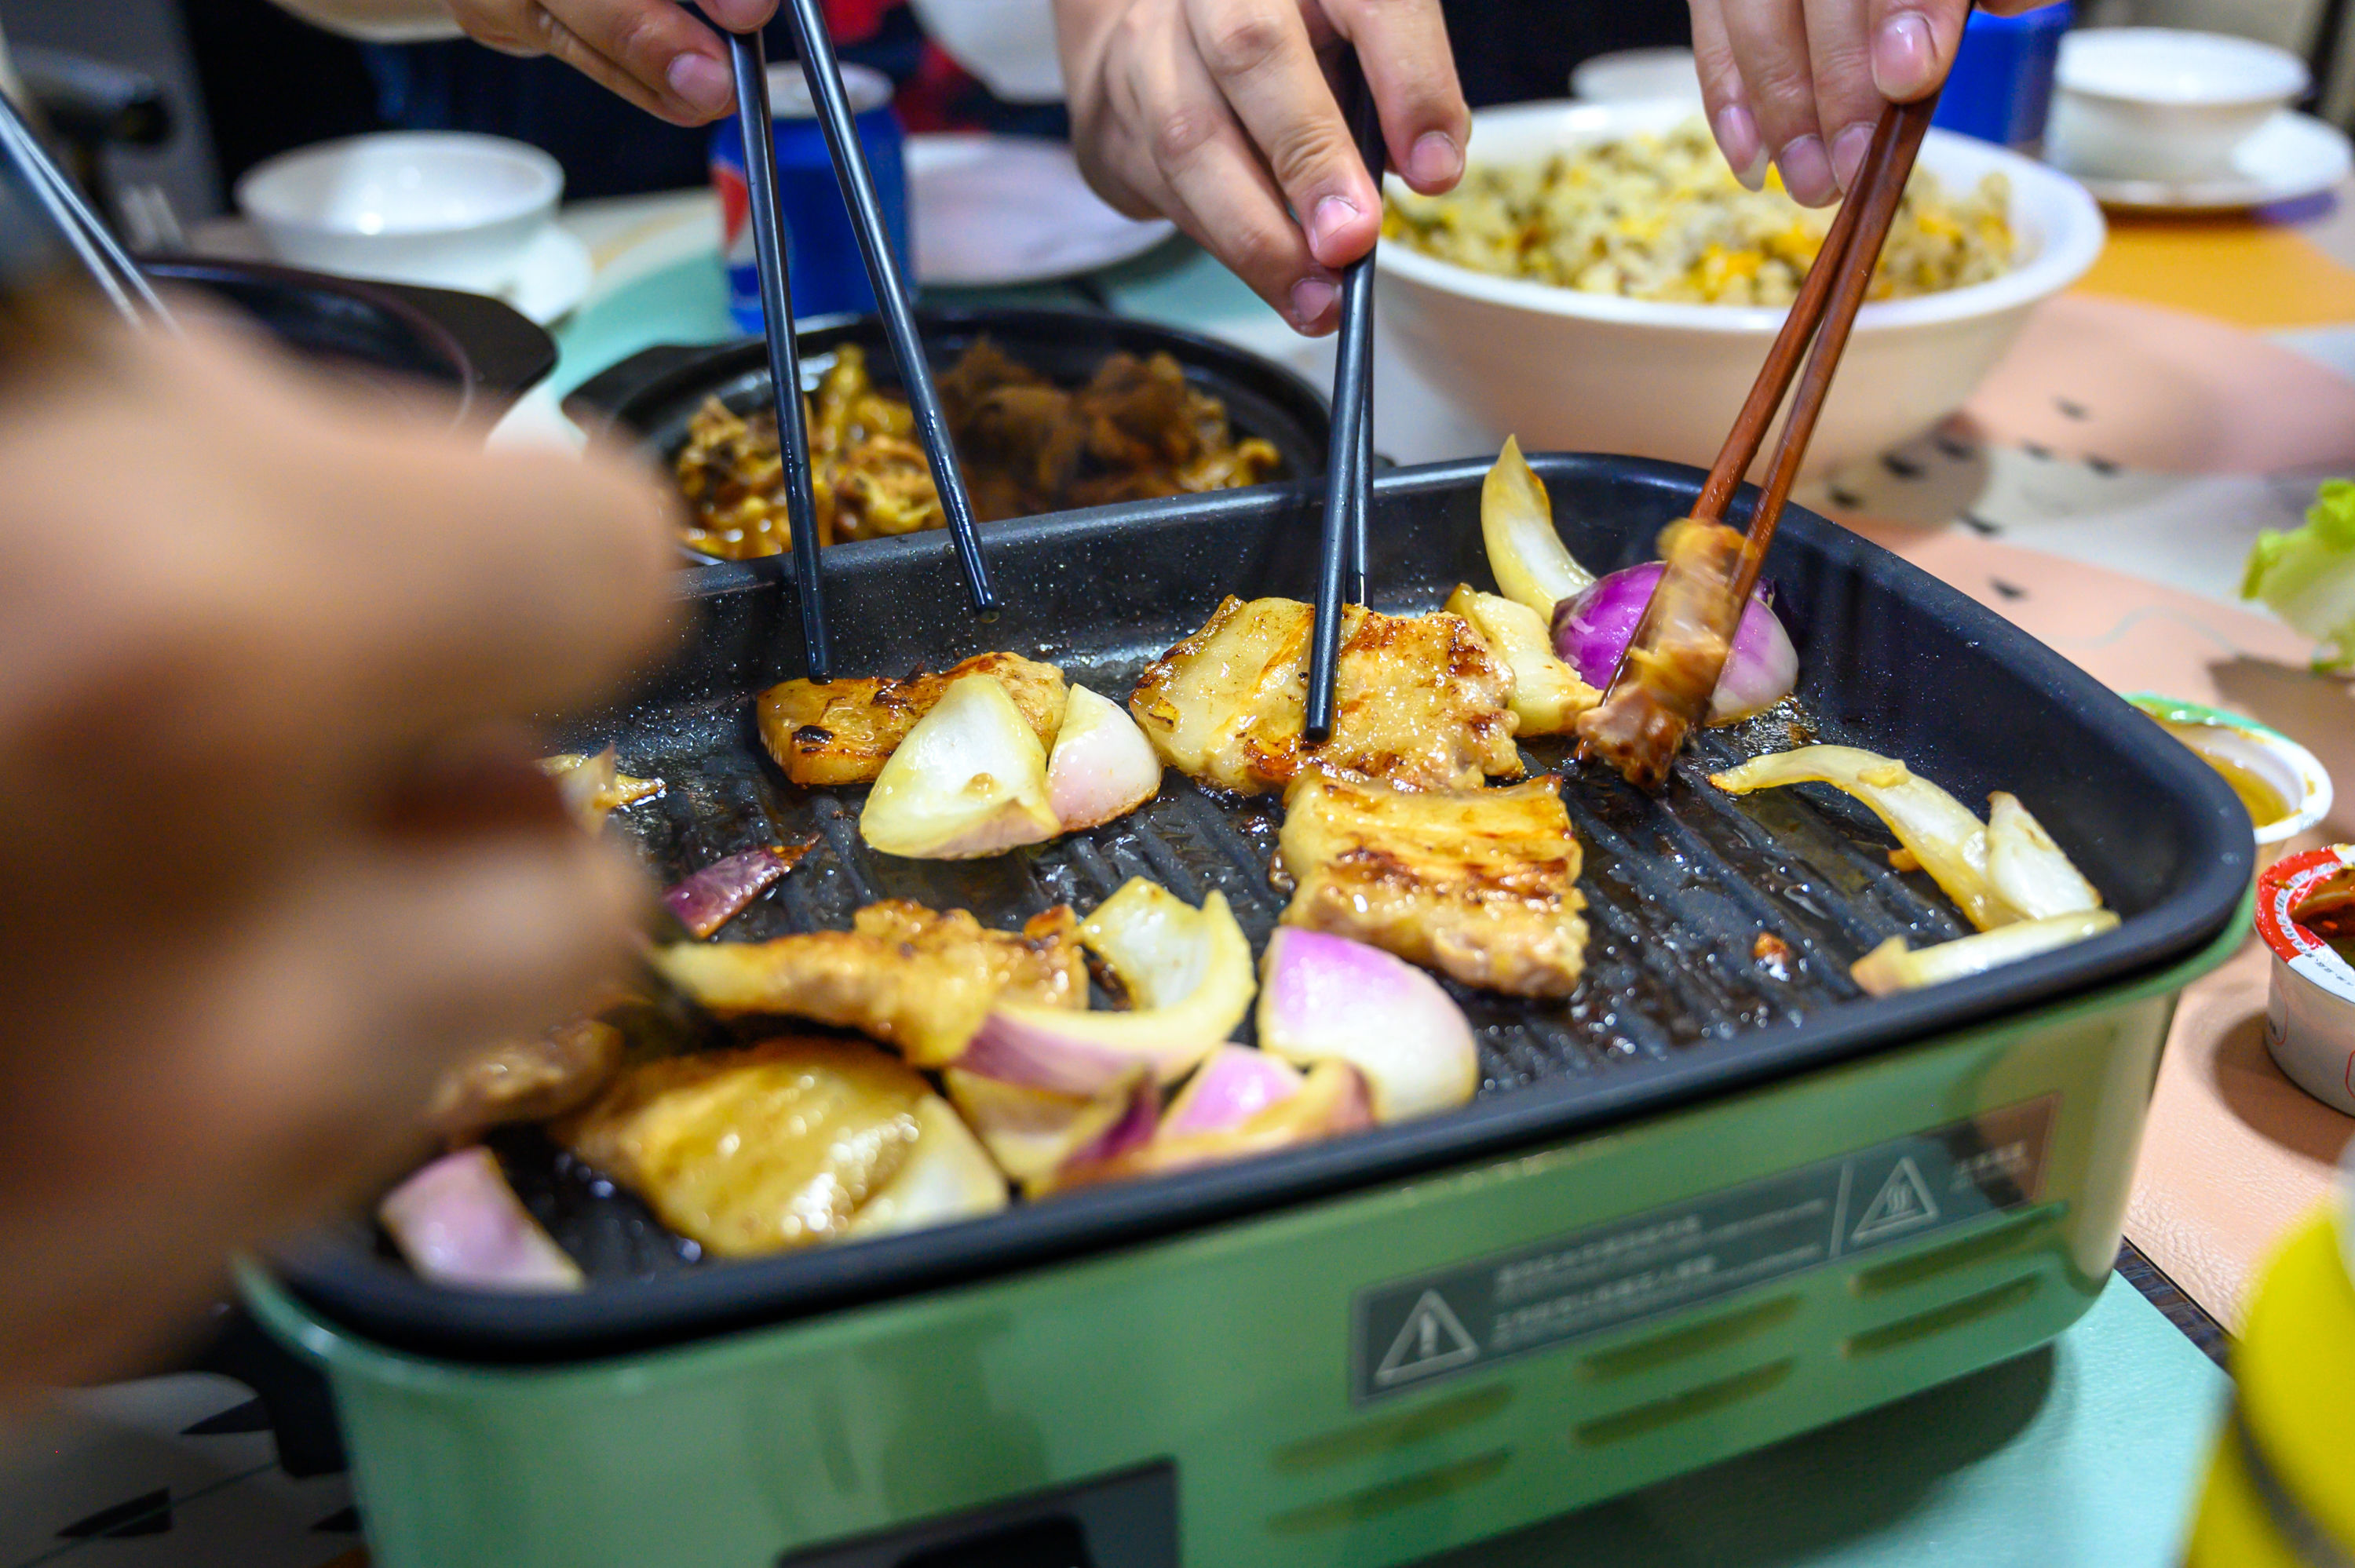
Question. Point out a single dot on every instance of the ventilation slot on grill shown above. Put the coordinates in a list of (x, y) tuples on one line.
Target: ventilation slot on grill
[(1969, 1310), (1645, 1419), (1389, 1498), (1660, 1349), (2015, 1235), (1375, 1437)]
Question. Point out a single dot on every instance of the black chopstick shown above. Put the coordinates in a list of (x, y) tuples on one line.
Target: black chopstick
[(1348, 463), (117, 276), (823, 71), (751, 67)]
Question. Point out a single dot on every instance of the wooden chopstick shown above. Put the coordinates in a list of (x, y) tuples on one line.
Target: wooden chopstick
[(1348, 463), (748, 58), (1633, 727), (1904, 128), (823, 71)]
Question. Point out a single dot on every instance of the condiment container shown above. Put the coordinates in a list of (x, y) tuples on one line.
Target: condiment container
[(2278, 1492), (2000, 87), (2310, 1012), (2285, 788), (823, 262)]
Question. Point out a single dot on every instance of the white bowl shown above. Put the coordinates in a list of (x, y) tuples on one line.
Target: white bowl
[(2154, 103), (1573, 371), (1632, 74), (417, 207)]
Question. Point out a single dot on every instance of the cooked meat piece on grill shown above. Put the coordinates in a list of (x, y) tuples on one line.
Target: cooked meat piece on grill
[(526, 1080), (1477, 884), (1671, 672), (1418, 701), (753, 1151), (922, 980), (842, 732)]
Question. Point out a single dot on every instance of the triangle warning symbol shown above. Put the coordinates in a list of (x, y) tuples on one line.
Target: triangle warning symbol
[(1431, 1339), (1903, 1202)]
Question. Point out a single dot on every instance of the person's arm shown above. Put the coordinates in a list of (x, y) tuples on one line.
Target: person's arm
[(1217, 114), (1798, 83), (274, 852)]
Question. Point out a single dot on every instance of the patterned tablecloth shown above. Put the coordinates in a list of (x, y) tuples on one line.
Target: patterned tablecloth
[(2101, 492)]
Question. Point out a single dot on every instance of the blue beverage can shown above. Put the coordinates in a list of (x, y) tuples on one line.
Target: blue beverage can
[(2000, 88), (822, 256)]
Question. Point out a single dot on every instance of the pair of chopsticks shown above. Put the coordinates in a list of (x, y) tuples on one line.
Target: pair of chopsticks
[(1349, 459), (823, 71), (1822, 315), (110, 269)]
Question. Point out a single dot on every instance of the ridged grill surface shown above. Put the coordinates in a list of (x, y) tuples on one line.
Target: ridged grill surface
[(1678, 899)]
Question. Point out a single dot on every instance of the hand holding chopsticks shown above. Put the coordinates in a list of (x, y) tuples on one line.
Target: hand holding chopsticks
[(823, 71), (1664, 682)]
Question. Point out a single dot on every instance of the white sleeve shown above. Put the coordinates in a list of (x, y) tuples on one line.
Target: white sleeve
[(1008, 45), (377, 21)]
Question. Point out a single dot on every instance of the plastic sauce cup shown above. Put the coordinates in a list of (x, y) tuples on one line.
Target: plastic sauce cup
[(2311, 1012)]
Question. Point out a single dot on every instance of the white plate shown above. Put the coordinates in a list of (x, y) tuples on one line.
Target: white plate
[(2290, 156), (1011, 209), (549, 281), (552, 278)]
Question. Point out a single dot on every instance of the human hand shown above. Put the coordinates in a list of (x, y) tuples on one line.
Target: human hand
[(1799, 82), (275, 854), (649, 51), (1218, 115)]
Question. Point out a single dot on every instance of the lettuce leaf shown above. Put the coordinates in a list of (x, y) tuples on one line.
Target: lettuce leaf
[(2307, 576)]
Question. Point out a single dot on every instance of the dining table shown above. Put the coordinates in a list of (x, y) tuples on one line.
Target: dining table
[(2101, 490)]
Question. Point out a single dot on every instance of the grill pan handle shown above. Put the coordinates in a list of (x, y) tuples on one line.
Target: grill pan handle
[(597, 404)]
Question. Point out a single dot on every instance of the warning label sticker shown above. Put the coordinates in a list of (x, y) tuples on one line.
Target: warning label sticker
[(1412, 1333)]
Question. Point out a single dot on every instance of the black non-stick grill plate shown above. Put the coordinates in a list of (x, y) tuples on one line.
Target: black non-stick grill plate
[(1681, 1001)]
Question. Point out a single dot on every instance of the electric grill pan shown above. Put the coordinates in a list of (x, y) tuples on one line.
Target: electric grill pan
[(1674, 1008), (649, 397)]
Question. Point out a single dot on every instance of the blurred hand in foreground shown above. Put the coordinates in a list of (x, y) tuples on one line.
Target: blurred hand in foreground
[(1218, 115), (1798, 83), (274, 856)]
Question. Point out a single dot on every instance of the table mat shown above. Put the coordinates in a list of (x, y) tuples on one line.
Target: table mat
[(2236, 268)]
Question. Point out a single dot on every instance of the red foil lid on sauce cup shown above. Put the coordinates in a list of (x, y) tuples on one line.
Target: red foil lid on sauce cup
[(2310, 1014)]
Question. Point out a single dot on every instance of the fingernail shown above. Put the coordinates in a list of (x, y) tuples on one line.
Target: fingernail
[(1311, 298), (1901, 57), (1737, 138), (702, 83), (1332, 215), (738, 16), (1847, 154), (1806, 172), (1435, 159)]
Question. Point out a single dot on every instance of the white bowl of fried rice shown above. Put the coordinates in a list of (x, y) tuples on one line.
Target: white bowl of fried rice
[(1600, 283)]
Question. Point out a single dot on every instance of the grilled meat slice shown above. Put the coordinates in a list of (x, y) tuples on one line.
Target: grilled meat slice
[(1477, 884), (1675, 658), (1418, 701), (921, 980), (841, 732), (753, 1151), (526, 1080)]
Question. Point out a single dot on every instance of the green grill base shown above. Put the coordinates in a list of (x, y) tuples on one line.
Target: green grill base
[(1226, 1352)]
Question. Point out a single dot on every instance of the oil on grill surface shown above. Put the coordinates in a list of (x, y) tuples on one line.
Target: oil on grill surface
[(1678, 892)]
